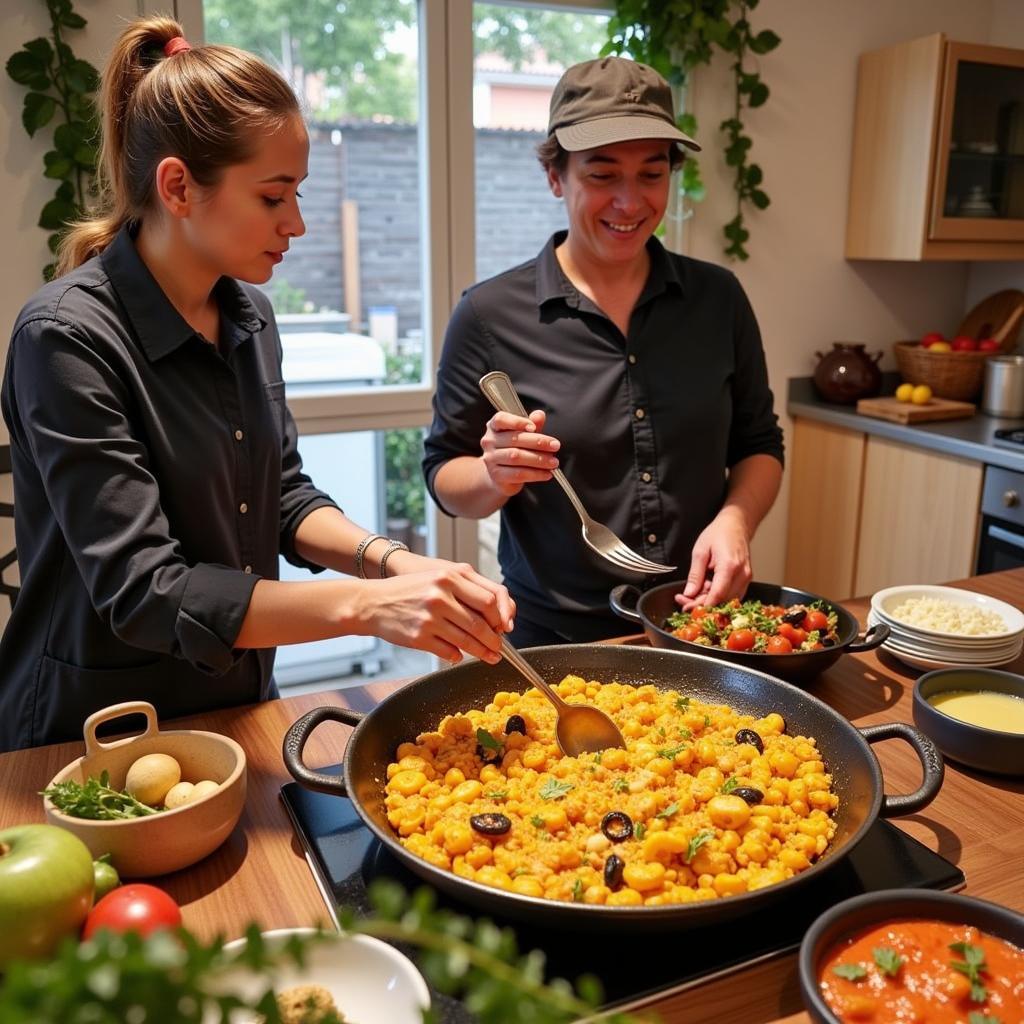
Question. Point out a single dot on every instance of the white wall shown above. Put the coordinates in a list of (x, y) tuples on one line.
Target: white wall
[(804, 293)]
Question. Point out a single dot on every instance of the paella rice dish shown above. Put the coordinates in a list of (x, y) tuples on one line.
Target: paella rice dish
[(704, 803)]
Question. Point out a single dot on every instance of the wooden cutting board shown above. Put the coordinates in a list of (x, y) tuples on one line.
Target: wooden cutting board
[(906, 412)]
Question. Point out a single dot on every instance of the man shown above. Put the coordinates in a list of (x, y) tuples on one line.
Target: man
[(645, 370)]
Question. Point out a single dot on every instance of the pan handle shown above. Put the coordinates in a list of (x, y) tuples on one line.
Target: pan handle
[(295, 742), (874, 637), (931, 764), (623, 599)]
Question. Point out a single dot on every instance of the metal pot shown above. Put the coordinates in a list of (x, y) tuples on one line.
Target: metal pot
[(419, 707), (653, 607)]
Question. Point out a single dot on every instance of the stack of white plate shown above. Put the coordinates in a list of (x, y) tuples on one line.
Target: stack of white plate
[(932, 648)]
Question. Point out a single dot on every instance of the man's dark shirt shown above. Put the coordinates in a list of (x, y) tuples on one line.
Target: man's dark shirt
[(156, 479), (649, 424)]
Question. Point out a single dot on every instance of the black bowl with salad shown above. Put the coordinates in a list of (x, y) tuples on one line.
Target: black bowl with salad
[(792, 634)]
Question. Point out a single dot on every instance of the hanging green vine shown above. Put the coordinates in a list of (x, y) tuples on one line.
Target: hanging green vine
[(676, 36), (60, 84)]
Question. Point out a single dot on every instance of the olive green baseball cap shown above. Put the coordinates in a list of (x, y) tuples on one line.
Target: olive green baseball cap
[(611, 99)]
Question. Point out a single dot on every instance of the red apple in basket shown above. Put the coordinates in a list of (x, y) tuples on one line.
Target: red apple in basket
[(930, 338), (988, 345), (963, 344)]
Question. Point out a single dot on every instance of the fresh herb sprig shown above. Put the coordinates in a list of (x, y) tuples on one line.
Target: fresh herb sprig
[(852, 972), (887, 960), (96, 800), (554, 790), (972, 965), (696, 843)]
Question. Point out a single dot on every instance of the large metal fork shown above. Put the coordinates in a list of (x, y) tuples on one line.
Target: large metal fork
[(502, 395)]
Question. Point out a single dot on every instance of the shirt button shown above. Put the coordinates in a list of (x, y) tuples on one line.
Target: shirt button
[(646, 477), (243, 508), (248, 570), (632, 359), (239, 435), (640, 414), (652, 538)]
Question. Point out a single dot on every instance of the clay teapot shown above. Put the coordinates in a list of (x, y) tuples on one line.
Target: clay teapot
[(847, 373)]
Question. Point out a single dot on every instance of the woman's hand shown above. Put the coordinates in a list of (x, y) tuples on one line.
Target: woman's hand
[(515, 452), (723, 549), (442, 607)]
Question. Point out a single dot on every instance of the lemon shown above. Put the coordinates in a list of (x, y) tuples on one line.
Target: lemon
[(904, 392), (921, 395)]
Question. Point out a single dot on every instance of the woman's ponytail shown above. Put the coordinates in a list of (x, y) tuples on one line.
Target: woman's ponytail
[(205, 105)]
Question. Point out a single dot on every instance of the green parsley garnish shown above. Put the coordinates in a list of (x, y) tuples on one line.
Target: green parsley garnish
[(597, 757), (972, 965), (640, 831), (696, 843), (555, 790), (977, 1017), (96, 800), (577, 891), (682, 703), (730, 784), (707, 721), (537, 821), (620, 785), (668, 812), (498, 794), (485, 739), (888, 960), (669, 753), (852, 972)]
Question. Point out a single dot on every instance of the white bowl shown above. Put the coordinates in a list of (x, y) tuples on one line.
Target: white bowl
[(368, 979), (885, 601)]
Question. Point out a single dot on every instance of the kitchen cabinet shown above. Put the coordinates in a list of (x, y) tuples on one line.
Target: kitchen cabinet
[(938, 153), (866, 512)]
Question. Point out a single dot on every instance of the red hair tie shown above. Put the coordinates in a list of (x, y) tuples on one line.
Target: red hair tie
[(176, 45)]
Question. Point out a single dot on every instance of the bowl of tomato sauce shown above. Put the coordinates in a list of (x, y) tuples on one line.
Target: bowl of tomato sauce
[(914, 955)]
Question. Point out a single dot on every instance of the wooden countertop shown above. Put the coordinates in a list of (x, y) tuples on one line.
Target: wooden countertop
[(976, 821)]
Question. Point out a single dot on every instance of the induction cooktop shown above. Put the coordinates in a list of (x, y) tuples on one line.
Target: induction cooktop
[(345, 857)]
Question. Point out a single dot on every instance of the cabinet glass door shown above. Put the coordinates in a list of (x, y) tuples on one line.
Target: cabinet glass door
[(979, 191)]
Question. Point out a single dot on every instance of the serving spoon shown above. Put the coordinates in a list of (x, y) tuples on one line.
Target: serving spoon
[(579, 728)]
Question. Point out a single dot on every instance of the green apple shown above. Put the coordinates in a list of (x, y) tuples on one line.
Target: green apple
[(46, 885)]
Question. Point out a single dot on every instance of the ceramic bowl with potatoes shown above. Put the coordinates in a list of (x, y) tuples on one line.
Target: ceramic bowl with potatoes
[(156, 802)]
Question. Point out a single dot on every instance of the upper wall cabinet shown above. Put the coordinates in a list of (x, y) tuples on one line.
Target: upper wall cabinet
[(938, 153)]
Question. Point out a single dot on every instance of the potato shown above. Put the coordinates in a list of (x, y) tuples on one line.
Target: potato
[(151, 777), (204, 788), (178, 795)]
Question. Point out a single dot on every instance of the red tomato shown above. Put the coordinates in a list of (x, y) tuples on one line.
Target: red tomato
[(779, 645), (795, 636), (133, 908), (815, 620), (698, 613), (988, 345), (690, 632), (964, 344), (740, 640), (931, 337)]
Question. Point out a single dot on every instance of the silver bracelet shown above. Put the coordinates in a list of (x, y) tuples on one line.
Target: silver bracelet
[(361, 551), (393, 546)]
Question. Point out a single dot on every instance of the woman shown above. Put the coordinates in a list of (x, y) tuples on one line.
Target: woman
[(645, 370), (156, 471)]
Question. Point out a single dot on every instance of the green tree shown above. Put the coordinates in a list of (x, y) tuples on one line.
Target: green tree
[(522, 36)]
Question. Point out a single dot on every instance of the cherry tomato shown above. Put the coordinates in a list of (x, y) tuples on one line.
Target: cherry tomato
[(133, 908), (740, 640), (795, 636), (698, 613), (778, 645), (815, 620), (689, 632)]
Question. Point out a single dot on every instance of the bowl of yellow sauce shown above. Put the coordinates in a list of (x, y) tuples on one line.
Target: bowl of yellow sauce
[(975, 716)]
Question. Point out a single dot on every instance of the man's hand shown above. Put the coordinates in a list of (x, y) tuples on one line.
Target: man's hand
[(720, 565), (516, 453)]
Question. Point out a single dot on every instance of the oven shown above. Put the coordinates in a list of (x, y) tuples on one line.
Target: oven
[(1001, 537)]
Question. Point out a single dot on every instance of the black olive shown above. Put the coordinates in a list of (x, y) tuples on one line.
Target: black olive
[(491, 824), (749, 794), (613, 868), (826, 641), (487, 754), (795, 615), (515, 723), (751, 737), (617, 826)]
